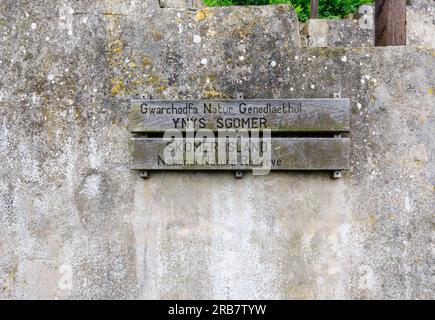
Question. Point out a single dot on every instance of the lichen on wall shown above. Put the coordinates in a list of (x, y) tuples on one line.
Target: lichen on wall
[(75, 222)]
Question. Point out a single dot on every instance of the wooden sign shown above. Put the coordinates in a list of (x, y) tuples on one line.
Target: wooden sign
[(287, 154), (305, 133), (289, 115)]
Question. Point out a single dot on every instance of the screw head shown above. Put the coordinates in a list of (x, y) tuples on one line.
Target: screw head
[(144, 174)]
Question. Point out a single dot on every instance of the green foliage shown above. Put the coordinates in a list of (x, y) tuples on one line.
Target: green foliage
[(219, 3), (329, 9)]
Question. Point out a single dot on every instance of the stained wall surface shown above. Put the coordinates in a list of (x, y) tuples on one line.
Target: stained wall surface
[(75, 222)]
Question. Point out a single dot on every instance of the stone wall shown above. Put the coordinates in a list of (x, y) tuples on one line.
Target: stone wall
[(359, 31), (76, 223), (420, 24), (337, 33)]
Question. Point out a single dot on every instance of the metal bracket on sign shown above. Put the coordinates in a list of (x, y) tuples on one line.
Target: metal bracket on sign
[(336, 174), (239, 173), (145, 174)]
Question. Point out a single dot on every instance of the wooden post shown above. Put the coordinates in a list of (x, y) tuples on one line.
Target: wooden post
[(314, 11), (390, 23)]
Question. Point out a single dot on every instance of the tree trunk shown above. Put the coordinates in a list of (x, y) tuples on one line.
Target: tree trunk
[(390, 22), (314, 11)]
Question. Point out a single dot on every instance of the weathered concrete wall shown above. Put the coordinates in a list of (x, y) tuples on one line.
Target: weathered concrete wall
[(76, 223), (337, 33), (420, 23), (360, 31)]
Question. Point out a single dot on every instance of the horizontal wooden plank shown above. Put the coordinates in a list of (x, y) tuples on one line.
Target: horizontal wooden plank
[(286, 154), (287, 115)]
